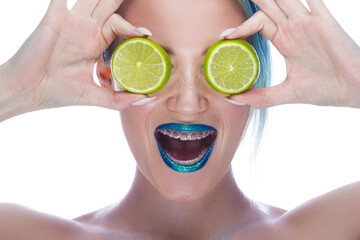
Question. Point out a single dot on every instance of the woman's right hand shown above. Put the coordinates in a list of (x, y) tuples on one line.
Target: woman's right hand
[(54, 67)]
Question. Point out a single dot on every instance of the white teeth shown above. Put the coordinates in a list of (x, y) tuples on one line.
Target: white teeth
[(188, 162), (175, 135), (183, 137), (193, 136), (186, 136)]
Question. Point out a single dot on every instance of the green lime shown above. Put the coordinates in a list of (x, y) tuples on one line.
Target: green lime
[(231, 66), (140, 65)]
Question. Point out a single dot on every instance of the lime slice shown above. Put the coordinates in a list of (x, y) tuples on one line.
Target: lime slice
[(231, 66), (140, 65)]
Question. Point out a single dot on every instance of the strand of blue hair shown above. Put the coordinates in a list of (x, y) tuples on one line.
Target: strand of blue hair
[(257, 117)]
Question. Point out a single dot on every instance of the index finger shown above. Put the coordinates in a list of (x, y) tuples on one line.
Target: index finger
[(118, 26), (105, 8), (85, 7), (259, 22)]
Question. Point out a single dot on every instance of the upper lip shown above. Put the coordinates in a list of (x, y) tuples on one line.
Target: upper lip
[(186, 127)]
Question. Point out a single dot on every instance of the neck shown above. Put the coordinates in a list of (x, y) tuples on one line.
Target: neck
[(224, 209)]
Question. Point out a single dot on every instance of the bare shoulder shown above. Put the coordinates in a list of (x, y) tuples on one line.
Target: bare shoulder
[(335, 215), (18, 222)]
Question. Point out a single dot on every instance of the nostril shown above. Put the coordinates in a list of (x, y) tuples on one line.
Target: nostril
[(187, 103)]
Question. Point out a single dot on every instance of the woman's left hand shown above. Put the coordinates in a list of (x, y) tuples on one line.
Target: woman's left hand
[(322, 61)]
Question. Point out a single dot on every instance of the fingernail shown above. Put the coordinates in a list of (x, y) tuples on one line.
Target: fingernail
[(117, 87), (142, 101), (227, 32), (235, 102), (143, 31)]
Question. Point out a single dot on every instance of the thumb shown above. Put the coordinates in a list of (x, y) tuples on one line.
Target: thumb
[(56, 5), (266, 97), (107, 98)]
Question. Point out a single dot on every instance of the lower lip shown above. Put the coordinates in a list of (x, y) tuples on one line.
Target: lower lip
[(184, 168)]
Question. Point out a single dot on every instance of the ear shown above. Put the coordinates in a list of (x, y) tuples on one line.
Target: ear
[(103, 73)]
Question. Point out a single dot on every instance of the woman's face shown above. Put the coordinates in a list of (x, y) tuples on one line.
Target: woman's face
[(186, 29)]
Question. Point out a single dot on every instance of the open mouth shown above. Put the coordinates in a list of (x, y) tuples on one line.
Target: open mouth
[(185, 148)]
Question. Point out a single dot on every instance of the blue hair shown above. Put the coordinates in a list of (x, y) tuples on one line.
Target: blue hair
[(262, 47)]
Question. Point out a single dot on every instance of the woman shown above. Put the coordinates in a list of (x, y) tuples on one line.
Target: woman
[(164, 203)]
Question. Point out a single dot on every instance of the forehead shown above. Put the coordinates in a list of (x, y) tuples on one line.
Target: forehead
[(183, 24)]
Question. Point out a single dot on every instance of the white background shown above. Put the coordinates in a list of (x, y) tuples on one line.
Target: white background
[(75, 160)]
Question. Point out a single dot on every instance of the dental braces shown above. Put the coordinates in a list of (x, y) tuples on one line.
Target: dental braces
[(186, 136)]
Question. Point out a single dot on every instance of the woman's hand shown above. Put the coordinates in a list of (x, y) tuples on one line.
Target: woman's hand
[(54, 67), (322, 61)]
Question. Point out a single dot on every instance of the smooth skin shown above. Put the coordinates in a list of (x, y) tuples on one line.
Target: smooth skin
[(157, 206), (322, 61), (63, 50)]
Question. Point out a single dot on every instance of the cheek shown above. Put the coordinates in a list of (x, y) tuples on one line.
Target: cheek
[(139, 134), (235, 119), (131, 121), (135, 126)]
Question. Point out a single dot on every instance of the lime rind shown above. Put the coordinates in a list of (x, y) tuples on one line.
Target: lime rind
[(219, 81), (156, 69)]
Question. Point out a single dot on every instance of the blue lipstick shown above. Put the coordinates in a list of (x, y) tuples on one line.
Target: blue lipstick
[(186, 127), (174, 139)]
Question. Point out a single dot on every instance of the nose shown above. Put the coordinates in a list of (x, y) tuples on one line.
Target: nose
[(187, 96)]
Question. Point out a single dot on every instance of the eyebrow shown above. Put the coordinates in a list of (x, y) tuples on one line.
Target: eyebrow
[(171, 52)]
